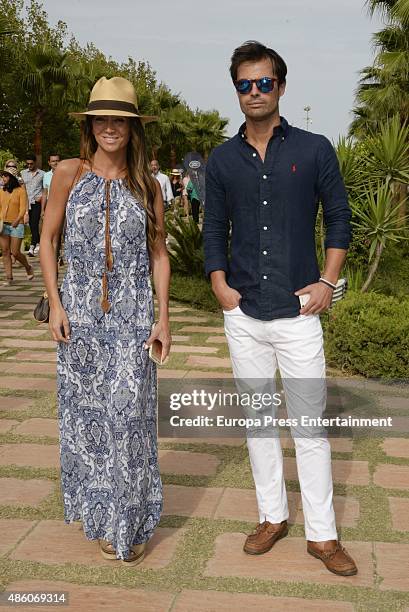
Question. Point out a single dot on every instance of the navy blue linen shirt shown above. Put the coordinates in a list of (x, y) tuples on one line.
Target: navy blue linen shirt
[(271, 208)]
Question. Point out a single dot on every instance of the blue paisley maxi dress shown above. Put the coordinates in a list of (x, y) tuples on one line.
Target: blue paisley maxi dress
[(107, 386)]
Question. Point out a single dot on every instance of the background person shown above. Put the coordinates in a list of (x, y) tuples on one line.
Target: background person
[(13, 204), (103, 324), (164, 182), (53, 161), (33, 181), (177, 187)]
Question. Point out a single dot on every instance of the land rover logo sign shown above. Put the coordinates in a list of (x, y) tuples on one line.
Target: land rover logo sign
[(195, 167)]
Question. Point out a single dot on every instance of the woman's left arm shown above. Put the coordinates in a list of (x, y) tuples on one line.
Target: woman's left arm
[(161, 278)]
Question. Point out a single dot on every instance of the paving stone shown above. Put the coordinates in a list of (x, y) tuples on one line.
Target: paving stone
[(208, 362), (392, 565), (202, 329), (54, 542), (178, 338), (7, 402), (241, 505), (339, 445), (399, 507), (192, 374), (11, 531), (7, 424), (6, 324), (208, 440), (166, 373), (396, 447), (30, 455), (35, 356), (32, 384), (38, 427), (22, 299), (216, 340), (5, 313), (185, 462), (392, 476), (210, 601), (96, 598), (47, 369), (193, 349), (18, 492), (23, 306), (188, 319), (288, 561), (394, 403), (344, 471), (191, 501), (178, 308), (21, 333), (30, 344)]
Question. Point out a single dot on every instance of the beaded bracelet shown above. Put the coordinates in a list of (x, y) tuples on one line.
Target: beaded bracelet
[(326, 282)]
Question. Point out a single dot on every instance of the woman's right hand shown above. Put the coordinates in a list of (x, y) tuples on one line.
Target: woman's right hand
[(59, 325)]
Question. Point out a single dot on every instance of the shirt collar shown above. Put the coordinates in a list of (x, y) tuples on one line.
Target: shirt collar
[(279, 130)]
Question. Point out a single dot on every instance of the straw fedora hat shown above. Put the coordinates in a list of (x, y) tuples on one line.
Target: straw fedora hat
[(115, 96)]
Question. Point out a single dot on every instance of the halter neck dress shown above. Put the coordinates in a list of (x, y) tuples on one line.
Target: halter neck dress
[(107, 385)]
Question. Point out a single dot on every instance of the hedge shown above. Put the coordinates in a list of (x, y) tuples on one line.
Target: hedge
[(368, 334)]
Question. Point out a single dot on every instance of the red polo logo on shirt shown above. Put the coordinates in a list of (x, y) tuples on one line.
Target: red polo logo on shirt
[(293, 168)]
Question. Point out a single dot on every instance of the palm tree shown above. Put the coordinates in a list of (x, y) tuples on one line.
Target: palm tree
[(383, 90), (207, 131), (45, 81)]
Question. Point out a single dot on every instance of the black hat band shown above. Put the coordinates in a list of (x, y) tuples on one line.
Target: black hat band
[(113, 105)]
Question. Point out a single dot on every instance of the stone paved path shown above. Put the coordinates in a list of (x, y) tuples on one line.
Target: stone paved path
[(195, 560)]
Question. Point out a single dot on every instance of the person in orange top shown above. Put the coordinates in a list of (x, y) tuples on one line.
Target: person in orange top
[(13, 205)]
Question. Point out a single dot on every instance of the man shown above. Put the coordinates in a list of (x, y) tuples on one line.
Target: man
[(53, 161), (33, 180), (164, 182), (264, 185)]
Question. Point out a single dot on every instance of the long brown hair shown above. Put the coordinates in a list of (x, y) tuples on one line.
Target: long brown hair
[(139, 178)]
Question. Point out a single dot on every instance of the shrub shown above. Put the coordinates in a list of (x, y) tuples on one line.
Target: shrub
[(195, 291), (368, 334), (186, 250)]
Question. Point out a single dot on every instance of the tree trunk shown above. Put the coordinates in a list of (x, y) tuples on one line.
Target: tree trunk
[(172, 156), (155, 152), (401, 195), (38, 127), (373, 268)]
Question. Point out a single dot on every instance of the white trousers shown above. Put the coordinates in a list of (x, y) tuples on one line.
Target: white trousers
[(295, 347)]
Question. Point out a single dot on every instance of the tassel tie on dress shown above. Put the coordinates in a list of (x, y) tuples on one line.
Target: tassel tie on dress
[(109, 260)]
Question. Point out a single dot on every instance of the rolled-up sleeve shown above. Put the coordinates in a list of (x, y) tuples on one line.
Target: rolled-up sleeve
[(334, 198), (216, 222)]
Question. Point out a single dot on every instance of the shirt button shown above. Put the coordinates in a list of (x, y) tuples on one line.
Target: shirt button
[(265, 202), (265, 227), (264, 252), (265, 277), (254, 154), (264, 176)]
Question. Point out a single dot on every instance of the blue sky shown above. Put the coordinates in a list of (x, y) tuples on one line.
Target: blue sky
[(324, 43)]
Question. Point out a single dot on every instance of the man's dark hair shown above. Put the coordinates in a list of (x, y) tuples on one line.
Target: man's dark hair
[(54, 155), (253, 51), (31, 157)]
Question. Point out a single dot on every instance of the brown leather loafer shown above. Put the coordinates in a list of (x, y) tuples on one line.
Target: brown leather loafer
[(334, 556), (264, 537)]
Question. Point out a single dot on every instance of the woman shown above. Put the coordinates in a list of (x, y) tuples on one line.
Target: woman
[(177, 187), (103, 320), (13, 204)]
